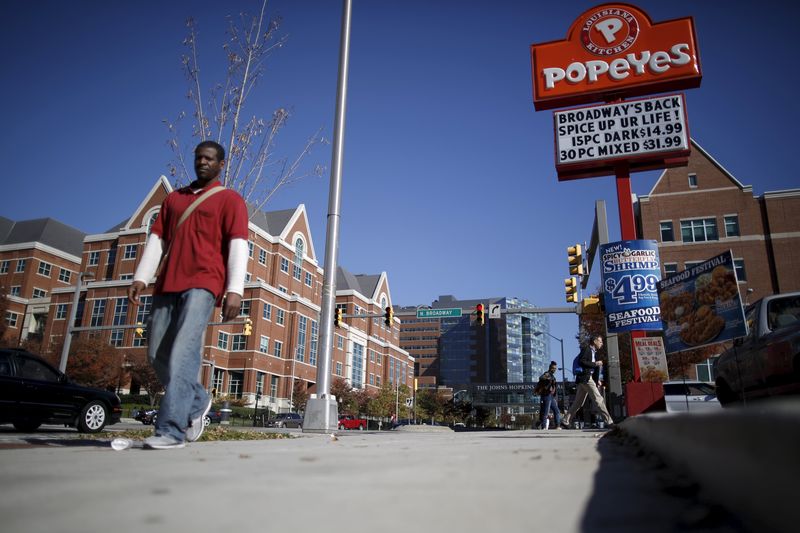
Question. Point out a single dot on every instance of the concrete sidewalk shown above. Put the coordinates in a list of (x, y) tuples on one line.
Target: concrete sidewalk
[(393, 481)]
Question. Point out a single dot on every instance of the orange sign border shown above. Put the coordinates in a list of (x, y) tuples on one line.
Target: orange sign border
[(660, 37)]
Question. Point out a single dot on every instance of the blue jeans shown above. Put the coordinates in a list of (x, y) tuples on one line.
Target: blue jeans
[(548, 402), (176, 331)]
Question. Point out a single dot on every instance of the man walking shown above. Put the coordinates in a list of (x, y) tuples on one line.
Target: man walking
[(589, 362), (199, 241), (547, 396)]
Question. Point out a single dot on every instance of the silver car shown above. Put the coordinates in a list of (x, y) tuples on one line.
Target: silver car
[(692, 396)]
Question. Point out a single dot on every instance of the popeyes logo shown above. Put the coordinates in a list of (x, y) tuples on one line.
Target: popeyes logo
[(614, 51)]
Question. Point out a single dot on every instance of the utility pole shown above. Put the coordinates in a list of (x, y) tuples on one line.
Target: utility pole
[(321, 415), (73, 313)]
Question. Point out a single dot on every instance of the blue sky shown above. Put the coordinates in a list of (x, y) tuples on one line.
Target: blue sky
[(448, 184)]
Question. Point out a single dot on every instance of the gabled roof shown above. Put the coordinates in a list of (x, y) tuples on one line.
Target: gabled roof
[(366, 285), (45, 231), (272, 222), (708, 156), (161, 182)]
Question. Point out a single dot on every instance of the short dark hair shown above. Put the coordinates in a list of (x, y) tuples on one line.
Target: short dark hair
[(553, 363), (215, 145)]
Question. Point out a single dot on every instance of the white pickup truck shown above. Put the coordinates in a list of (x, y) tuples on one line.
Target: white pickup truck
[(767, 361)]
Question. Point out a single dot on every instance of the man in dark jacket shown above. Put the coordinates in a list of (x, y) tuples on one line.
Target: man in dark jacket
[(586, 386), (547, 397)]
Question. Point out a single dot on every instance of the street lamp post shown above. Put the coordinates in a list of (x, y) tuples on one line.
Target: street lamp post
[(563, 375), (71, 322), (255, 413)]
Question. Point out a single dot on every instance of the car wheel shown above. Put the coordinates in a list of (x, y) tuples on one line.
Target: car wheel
[(341, 427), (27, 425), (360, 427), (93, 418), (206, 421), (281, 425)]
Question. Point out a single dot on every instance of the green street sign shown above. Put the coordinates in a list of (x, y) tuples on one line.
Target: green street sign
[(454, 312)]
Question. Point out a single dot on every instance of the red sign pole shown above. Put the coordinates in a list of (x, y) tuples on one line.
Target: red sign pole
[(627, 225)]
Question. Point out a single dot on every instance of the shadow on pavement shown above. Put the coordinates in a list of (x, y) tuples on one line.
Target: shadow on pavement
[(635, 491)]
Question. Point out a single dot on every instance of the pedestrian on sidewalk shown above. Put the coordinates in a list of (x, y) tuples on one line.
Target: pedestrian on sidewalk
[(197, 250), (546, 387), (586, 387)]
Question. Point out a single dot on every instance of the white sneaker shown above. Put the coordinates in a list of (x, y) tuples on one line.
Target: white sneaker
[(197, 425), (161, 442)]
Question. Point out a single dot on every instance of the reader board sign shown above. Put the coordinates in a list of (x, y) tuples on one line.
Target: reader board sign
[(614, 51), (630, 274), (702, 305), (652, 358), (648, 130)]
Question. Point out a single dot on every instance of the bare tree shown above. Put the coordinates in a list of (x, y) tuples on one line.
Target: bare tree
[(254, 169)]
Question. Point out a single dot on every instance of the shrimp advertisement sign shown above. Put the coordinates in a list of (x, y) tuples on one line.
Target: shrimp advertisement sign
[(702, 305), (631, 271)]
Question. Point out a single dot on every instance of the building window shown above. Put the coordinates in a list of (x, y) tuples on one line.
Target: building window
[(120, 312), (262, 256), (238, 342), (705, 370), (61, 311), (130, 252), (378, 381), (667, 233), (4, 267), (20, 266), (741, 274), (125, 277), (44, 269), (358, 366), (284, 265), (142, 314), (11, 319), (300, 353), (688, 265), (117, 337), (371, 378), (340, 342), (244, 309), (267, 313), (312, 349), (296, 271), (732, 225), (338, 368), (39, 293), (247, 277), (283, 289), (273, 386), (278, 349), (259, 383), (94, 259), (670, 269), (222, 340), (98, 312), (308, 278), (64, 275), (14, 290), (250, 248), (280, 318), (111, 258), (263, 345), (692, 181), (699, 230)]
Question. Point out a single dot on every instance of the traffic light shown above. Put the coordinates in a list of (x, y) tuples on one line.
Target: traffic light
[(388, 316), (591, 305), (139, 329), (479, 316), (337, 317), (248, 327), (571, 287), (575, 258)]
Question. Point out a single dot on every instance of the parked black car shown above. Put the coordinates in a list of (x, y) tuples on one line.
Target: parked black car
[(146, 416), (33, 392)]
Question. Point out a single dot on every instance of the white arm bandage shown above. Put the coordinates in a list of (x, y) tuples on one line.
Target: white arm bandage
[(150, 259), (237, 266)]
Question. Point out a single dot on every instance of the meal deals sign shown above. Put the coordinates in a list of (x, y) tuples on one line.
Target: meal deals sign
[(702, 305), (595, 138), (652, 358), (630, 274), (615, 51)]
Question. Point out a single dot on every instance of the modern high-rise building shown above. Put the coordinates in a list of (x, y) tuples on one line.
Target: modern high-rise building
[(458, 353)]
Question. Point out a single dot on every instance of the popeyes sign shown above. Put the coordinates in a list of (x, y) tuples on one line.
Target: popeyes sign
[(614, 51)]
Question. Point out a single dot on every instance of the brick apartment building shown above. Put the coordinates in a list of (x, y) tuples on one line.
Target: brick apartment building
[(283, 293), (702, 210), (37, 257)]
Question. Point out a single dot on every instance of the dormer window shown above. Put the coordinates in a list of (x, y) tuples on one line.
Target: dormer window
[(692, 181)]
